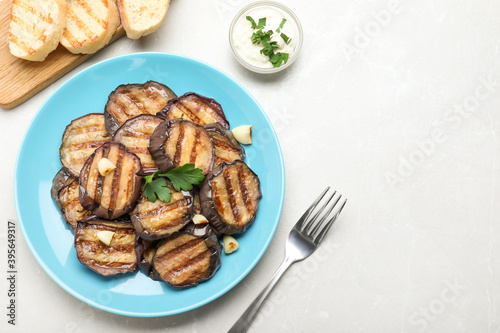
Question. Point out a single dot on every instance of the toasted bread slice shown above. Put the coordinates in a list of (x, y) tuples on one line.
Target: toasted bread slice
[(142, 17), (35, 27), (90, 24)]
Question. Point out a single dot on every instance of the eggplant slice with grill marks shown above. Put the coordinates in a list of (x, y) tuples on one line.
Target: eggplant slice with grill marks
[(80, 139), (119, 256), (178, 142), (196, 108), (134, 134), (130, 100), (116, 193), (64, 191), (187, 257), (230, 197), (227, 149), (160, 219)]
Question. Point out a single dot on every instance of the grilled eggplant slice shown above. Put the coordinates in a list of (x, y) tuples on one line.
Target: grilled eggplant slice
[(130, 100), (134, 134), (116, 193), (227, 149), (196, 108), (80, 139), (160, 219), (188, 257), (178, 142), (230, 197), (119, 256), (146, 253), (65, 194)]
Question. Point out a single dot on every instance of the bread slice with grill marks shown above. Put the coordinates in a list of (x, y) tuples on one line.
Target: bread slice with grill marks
[(35, 28), (90, 24), (142, 17)]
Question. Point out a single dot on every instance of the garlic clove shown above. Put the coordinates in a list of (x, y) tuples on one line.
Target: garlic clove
[(199, 219), (243, 134), (230, 244), (105, 236), (105, 166)]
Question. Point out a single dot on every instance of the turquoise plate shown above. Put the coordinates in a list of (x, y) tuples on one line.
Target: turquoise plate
[(51, 241)]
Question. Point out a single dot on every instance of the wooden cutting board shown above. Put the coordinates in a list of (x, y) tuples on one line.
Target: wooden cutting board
[(21, 79)]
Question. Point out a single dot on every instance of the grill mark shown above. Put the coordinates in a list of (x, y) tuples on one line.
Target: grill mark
[(231, 192), (115, 184), (81, 26), (188, 267), (192, 157), (100, 179), (139, 150), (134, 98), (178, 250), (155, 98), (92, 14), (84, 128), (118, 109), (245, 193), (189, 113), (85, 145), (163, 208), (94, 246), (178, 146)]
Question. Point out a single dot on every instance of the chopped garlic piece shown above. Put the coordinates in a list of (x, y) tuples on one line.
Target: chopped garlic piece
[(105, 236), (243, 134), (105, 166), (199, 219), (230, 244)]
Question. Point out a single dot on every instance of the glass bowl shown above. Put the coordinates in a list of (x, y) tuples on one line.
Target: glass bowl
[(238, 49)]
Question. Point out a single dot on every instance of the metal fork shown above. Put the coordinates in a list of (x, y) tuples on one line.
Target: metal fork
[(303, 239)]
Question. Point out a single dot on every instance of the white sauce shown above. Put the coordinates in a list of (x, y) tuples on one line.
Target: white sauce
[(243, 32)]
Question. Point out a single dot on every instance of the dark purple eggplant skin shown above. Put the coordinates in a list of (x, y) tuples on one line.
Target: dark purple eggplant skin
[(208, 234), (110, 122), (125, 222), (88, 203), (60, 180), (219, 129), (157, 142), (207, 100), (156, 147), (209, 210), (145, 234)]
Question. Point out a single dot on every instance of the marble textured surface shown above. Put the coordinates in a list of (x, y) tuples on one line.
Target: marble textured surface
[(394, 103)]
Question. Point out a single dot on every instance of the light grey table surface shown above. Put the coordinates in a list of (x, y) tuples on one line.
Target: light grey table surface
[(394, 103)]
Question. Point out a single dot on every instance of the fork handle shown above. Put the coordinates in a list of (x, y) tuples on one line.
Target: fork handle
[(243, 323)]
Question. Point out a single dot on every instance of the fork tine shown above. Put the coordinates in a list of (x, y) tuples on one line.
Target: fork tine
[(325, 229), (312, 220), (325, 215), (308, 212)]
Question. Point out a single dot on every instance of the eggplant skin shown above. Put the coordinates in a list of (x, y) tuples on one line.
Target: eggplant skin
[(177, 142), (230, 196), (115, 194), (187, 257), (135, 134), (80, 139), (129, 100), (159, 219), (199, 109), (120, 256), (65, 193), (227, 149)]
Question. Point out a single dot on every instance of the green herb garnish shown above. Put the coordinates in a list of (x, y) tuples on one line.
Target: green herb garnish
[(182, 178), (278, 58), (281, 25), (285, 38), (264, 38)]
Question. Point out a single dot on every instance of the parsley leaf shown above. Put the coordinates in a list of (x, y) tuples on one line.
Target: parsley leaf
[(278, 58), (285, 38), (269, 48), (254, 25), (262, 23), (281, 25), (185, 176), (157, 188), (182, 178), (260, 36)]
